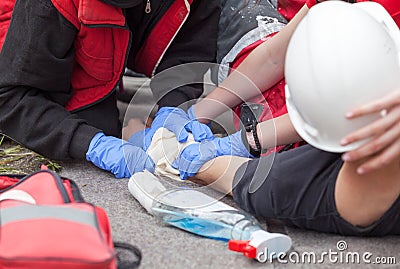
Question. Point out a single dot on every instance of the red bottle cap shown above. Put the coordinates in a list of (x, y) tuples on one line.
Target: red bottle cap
[(244, 247)]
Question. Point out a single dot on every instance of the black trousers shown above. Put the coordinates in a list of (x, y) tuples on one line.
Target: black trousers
[(298, 188)]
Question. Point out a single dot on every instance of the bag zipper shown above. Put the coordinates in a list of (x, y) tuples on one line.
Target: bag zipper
[(148, 7), (56, 177)]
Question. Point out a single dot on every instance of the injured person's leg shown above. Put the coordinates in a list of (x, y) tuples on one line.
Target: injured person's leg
[(311, 189)]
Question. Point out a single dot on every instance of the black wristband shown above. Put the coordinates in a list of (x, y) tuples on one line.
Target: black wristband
[(257, 152), (253, 128), (249, 119)]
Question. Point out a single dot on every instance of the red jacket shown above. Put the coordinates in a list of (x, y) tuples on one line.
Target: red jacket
[(289, 8), (99, 65), (58, 54)]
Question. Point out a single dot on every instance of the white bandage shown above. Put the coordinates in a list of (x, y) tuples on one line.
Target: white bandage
[(164, 149)]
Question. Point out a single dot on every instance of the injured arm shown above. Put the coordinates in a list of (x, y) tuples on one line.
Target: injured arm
[(219, 172), (278, 131), (262, 69)]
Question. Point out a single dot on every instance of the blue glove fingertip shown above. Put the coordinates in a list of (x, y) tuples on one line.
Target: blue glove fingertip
[(183, 136), (175, 164), (163, 110), (138, 139), (148, 136), (209, 133), (150, 166), (201, 131), (191, 114)]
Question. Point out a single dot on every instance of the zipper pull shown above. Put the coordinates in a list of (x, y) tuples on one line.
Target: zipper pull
[(148, 7)]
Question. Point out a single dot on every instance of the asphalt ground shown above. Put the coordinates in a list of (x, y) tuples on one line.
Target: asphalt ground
[(165, 246)]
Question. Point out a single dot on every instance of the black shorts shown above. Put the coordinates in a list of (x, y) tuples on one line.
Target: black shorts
[(298, 187)]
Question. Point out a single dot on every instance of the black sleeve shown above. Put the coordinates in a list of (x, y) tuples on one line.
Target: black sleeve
[(35, 66), (195, 42)]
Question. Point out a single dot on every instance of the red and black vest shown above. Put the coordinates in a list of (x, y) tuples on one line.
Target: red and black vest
[(102, 44)]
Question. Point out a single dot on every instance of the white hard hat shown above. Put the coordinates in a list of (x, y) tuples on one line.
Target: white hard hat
[(340, 56)]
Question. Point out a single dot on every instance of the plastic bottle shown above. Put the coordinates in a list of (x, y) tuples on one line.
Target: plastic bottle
[(198, 213)]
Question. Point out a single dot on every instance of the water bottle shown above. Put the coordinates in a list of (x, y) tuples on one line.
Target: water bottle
[(201, 214)]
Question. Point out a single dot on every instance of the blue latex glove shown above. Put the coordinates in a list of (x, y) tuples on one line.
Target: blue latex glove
[(117, 156), (192, 158), (138, 138), (177, 121)]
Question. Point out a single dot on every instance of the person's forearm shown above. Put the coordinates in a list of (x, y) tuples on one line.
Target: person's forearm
[(43, 126), (262, 69), (218, 173), (278, 131)]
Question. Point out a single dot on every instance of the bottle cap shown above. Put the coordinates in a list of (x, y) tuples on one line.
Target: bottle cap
[(262, 245), (244, 247)]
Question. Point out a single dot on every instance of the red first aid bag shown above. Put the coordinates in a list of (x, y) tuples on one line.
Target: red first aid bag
[(45, 223)]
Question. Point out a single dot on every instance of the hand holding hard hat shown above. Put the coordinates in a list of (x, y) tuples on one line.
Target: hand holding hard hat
[(340, 57), (383, 134)]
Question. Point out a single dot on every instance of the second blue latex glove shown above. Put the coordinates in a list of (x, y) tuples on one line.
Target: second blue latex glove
[(117, 156), (138, 138), (177, 121), (194, 156)]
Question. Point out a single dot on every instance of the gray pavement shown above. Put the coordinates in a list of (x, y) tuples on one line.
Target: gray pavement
[(168, 247)]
